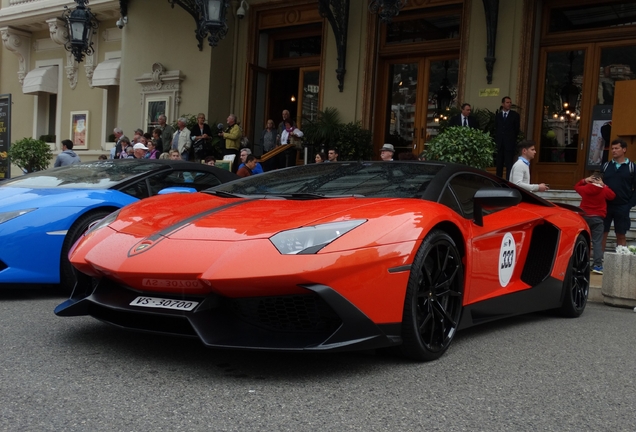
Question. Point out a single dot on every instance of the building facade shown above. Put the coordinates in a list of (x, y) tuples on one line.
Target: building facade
[(560, 62)]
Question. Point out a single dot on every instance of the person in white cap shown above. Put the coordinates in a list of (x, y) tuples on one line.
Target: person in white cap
[(139, 150), (386, 152)]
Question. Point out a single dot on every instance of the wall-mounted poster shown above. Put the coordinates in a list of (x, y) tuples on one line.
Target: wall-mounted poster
[(79, 129), (5, 135), (598, 150)]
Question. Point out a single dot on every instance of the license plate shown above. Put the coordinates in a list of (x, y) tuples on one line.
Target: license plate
[(154, 302)]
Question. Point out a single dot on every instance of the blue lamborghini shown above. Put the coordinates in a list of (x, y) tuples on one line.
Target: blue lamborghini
[(42, 214)]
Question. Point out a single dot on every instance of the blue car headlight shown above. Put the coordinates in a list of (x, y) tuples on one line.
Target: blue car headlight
[(102, 222), (310, 239), (7, 216)]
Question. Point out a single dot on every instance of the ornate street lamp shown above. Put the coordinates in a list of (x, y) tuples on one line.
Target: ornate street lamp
[(209, 16), (212, 20), (81, 25), (386, 9)]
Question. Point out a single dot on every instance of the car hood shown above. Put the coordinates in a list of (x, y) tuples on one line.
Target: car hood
[(202, 216), (12, 198)]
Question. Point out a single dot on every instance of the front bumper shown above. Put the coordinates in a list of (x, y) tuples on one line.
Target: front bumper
[(320, 320)]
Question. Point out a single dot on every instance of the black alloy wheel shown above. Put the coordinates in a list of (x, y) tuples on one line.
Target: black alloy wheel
[(576, 285), (433, 304)]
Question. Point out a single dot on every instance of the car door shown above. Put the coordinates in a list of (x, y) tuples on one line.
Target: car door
[(496, 250)]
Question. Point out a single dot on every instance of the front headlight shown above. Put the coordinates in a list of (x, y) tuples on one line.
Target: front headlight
[(103, 222), (310, 239), (7, 216)]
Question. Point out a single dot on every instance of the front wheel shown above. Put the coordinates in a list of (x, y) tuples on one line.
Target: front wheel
[(67, 276), (576, 285), (433, 303)]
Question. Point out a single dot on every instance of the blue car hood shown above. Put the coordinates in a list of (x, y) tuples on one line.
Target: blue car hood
[(12, 198)]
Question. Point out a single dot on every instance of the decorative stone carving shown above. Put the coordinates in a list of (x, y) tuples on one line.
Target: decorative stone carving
[(158, 83), (19, 43), (160, 80), (59, 35), (58, 30), (71, 70)]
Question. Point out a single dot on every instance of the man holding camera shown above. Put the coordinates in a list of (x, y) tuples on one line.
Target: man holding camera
[(232, 136)]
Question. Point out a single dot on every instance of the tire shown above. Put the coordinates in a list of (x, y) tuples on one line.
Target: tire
[(79, 227), (434, 296), (576, 285)]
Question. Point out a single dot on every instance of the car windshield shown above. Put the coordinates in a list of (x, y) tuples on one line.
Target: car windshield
[(369, 179), (90, 175)]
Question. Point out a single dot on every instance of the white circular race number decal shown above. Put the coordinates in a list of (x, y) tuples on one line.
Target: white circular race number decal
[(507, 256)]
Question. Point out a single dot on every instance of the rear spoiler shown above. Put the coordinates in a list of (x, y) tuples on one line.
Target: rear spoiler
[(570, 207)]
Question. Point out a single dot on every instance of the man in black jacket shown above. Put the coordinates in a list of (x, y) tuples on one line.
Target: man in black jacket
[(464, 119), (507, 125)]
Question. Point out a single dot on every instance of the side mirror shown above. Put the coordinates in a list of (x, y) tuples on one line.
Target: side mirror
[(176, 189), (489, 198)]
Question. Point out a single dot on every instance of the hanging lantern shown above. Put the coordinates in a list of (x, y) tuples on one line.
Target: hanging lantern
[(81, 25)]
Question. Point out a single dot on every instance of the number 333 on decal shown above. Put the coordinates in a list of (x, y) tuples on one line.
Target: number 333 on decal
[(507, 255)]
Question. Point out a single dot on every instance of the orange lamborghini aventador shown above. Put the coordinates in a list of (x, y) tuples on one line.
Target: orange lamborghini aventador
[(334, 256)]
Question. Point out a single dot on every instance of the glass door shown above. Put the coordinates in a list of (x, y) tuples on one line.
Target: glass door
[(564, 117), (416, 91)]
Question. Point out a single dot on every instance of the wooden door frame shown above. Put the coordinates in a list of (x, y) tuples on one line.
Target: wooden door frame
[(548, 172), (421, 108)]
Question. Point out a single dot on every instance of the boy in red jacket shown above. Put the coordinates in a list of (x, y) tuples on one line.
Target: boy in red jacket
[(594, 196)]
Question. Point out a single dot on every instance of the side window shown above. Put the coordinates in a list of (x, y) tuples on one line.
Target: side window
[(464, 187), (448, 199), (198, 180), (138, 189)]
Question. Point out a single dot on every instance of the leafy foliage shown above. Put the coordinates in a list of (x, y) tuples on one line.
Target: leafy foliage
[(30, 154), (191, 120), (462, 145), (325, 130), (354, 142)]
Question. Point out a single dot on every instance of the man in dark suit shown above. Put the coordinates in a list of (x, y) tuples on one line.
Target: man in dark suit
[(464, 119), (507, 125)]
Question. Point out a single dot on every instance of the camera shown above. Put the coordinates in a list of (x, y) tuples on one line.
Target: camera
[(242, 10), (220, 127), (121, 22)]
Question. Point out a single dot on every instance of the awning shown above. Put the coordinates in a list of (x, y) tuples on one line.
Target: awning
[(106, 73), (42, 79)]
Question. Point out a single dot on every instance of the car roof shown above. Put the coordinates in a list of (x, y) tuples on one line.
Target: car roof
[(151, 165)]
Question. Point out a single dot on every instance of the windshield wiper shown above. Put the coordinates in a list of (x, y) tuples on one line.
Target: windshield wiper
[(308, 196), (223, 194)]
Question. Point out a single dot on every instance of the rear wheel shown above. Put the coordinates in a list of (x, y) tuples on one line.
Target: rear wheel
[(576, 285), (67, 275), (433, 303)]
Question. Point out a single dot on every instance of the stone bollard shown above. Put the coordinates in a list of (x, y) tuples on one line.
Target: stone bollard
[(619, 280)]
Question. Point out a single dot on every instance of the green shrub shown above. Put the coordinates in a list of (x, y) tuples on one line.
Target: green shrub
[(30, 154), (354, 142), (47, 138), (462, 145), (324, 131)]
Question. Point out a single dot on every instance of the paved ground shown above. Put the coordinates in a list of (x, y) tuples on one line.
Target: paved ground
[(530, 373)]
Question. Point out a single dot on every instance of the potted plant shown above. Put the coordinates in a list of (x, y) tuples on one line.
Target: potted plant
[(30, 154), (462, 145), (619, 277), (354, 142), (324, 131)]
